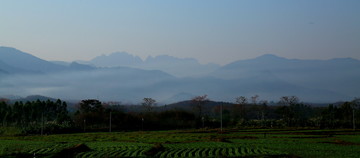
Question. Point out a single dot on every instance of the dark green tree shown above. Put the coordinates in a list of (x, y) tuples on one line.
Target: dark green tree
[(198, 103), (148, 104)]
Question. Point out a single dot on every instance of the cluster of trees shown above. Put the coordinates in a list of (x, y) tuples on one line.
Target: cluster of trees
[(36, 116), (288, 112), (346, 115), (93, 115)]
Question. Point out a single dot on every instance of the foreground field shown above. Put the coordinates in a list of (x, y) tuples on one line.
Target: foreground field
[(187, 143)]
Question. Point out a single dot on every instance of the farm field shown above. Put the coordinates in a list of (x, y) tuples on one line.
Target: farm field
[(187, 143)]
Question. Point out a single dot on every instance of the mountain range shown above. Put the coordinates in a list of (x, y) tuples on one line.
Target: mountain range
[(175, 66), (127, 78)]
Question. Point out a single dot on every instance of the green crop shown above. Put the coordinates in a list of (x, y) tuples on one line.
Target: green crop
[(190, 143)]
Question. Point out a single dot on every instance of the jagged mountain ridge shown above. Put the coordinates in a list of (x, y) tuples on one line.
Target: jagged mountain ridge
[(175, 66)]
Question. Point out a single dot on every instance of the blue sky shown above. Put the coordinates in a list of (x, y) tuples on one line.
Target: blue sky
[(218, 31)]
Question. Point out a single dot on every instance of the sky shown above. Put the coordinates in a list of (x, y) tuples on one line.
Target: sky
[(213, 31)]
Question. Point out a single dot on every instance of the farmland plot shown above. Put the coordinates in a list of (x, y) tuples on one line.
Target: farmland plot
[(187, 143)]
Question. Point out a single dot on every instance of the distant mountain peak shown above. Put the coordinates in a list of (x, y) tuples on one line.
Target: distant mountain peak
[(9, 51), (121, 54), (168, 58), (21, 60), (269, 57), (345, 59), (77, 66), (116, 59), (8, 48), (181, 67)]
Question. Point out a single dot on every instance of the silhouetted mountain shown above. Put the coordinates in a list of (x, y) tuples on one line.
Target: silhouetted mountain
[(19, 60), (14, 61), (63, 63), (74, 66), (172, 65), (339, 76), (271, 64)]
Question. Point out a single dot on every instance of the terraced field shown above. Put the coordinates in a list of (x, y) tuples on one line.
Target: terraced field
[(117, 149), (189, 143), (197, 149), (212, 149)]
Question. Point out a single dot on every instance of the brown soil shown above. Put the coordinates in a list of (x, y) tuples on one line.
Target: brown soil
[(72, 151), (154, 150)]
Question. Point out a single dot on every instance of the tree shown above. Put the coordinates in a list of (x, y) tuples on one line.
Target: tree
[(294, 112), (330, 117), (355, 106), (254, 99), (91, 114), (3, 112), (90, 105), (288, 100), (198, 103), (347, 110), (263, 107), (62, 113), (286, 110), (238, 111), (241, 100), (148, 104)]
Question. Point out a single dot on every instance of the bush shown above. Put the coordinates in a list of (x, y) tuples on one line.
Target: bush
[(50, 127), (10, 131), (154, 150)]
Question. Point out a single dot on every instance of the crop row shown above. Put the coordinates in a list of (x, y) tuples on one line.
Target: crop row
[(114, 152), (178, 152), (133, 149), (49, 149), (213, 152)]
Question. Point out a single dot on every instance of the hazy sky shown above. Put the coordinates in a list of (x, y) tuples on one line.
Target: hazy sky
[(218, 31)]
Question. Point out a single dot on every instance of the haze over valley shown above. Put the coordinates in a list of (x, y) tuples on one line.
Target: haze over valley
[(185, 78), (128, 78)]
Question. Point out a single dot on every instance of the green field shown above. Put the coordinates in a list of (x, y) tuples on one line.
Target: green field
[(187, 143)]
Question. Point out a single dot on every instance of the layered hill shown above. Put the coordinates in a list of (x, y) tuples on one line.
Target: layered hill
[(339, 76), (268, 76)]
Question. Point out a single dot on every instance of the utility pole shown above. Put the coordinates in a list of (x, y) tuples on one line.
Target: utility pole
[(203, 122), (110, 122), (142, 124), (221, 120), (84, 125), (42, 123), (354, 127)]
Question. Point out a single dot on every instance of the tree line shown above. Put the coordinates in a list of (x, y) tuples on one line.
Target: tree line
[(46, 117), (36, 116)]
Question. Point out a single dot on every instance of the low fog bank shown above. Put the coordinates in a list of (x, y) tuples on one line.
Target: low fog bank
[(132, 85)]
